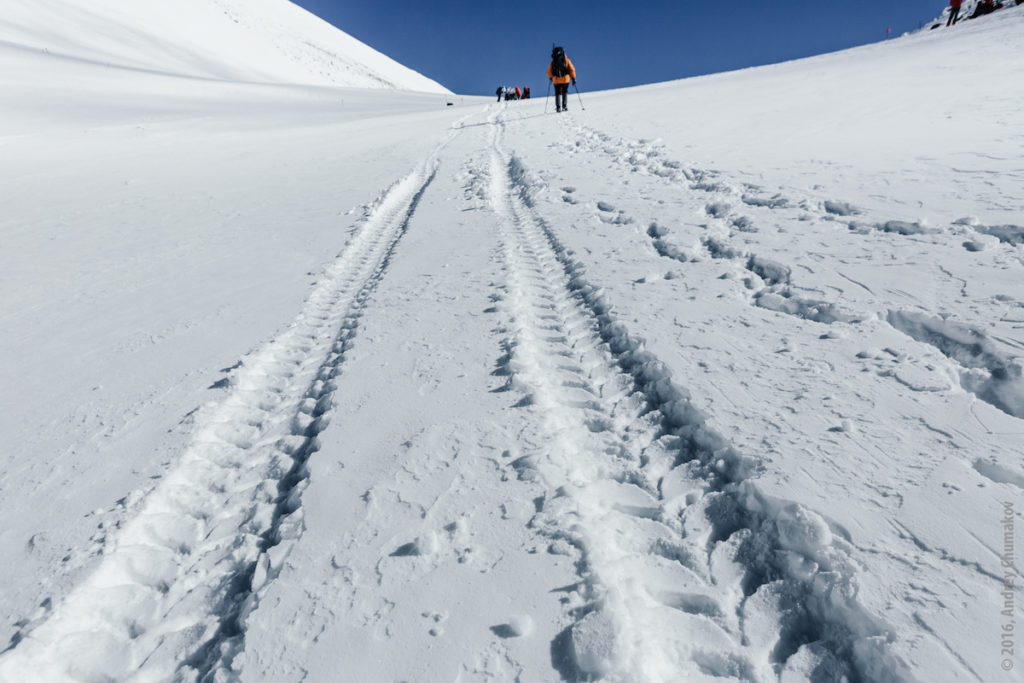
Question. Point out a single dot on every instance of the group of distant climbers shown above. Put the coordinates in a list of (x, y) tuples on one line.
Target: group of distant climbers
[(507, 92), (561, 72), (981, 8)]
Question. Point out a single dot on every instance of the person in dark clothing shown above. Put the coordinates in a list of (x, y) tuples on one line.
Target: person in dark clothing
[(561, 71), (954, 12), (499, 92)]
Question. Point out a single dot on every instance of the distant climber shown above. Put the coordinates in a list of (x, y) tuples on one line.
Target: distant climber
[(499, 92), (954, 11), (561, 71)]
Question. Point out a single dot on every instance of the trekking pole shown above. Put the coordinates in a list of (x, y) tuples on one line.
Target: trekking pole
[(582, 108), (546, 97)]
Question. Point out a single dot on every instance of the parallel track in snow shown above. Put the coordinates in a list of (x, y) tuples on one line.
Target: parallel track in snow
[(687, 572), (169, 598)]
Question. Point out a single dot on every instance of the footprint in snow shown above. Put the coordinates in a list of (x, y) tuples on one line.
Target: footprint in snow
[(608, 214), (435, 619), (717, 209), (1007, 234), (776, 202), (744, 224), (518, 626), (655, 230), (840, 208)]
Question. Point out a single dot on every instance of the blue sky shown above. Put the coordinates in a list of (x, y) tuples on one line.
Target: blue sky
[(471, 47)]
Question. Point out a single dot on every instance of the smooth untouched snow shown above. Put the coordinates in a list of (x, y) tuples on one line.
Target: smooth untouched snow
[(266, 41), (719, 379)]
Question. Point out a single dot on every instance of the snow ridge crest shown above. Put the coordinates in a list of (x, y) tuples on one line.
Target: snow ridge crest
[(262, 41)]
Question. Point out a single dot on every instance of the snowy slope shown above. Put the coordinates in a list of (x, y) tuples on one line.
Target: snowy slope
[(270, 41), (967, 10), (317, 384)]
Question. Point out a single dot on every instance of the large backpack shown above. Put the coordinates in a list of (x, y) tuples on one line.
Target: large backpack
[(559, 68)]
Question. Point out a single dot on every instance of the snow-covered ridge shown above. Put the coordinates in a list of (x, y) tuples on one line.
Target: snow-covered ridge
[(270, 41), (967, 11)]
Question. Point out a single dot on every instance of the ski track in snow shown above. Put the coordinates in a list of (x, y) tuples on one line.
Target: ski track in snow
[(826, 505), (688, 570), (170, 595)]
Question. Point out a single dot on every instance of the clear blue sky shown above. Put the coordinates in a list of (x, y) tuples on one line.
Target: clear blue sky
[(473, 46)]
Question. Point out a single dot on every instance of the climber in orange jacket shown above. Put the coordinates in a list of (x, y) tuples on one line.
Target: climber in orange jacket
[(561, 72)]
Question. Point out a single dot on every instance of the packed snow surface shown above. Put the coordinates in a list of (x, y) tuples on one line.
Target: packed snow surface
[(716, 380)]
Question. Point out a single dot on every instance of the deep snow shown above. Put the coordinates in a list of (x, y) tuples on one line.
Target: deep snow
[(717, 379)]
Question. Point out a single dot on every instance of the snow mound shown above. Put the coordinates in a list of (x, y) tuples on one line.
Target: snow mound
[(271, 41)]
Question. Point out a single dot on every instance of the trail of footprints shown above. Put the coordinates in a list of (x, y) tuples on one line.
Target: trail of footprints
[(771, 284), (644, 156), (686, 570)]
